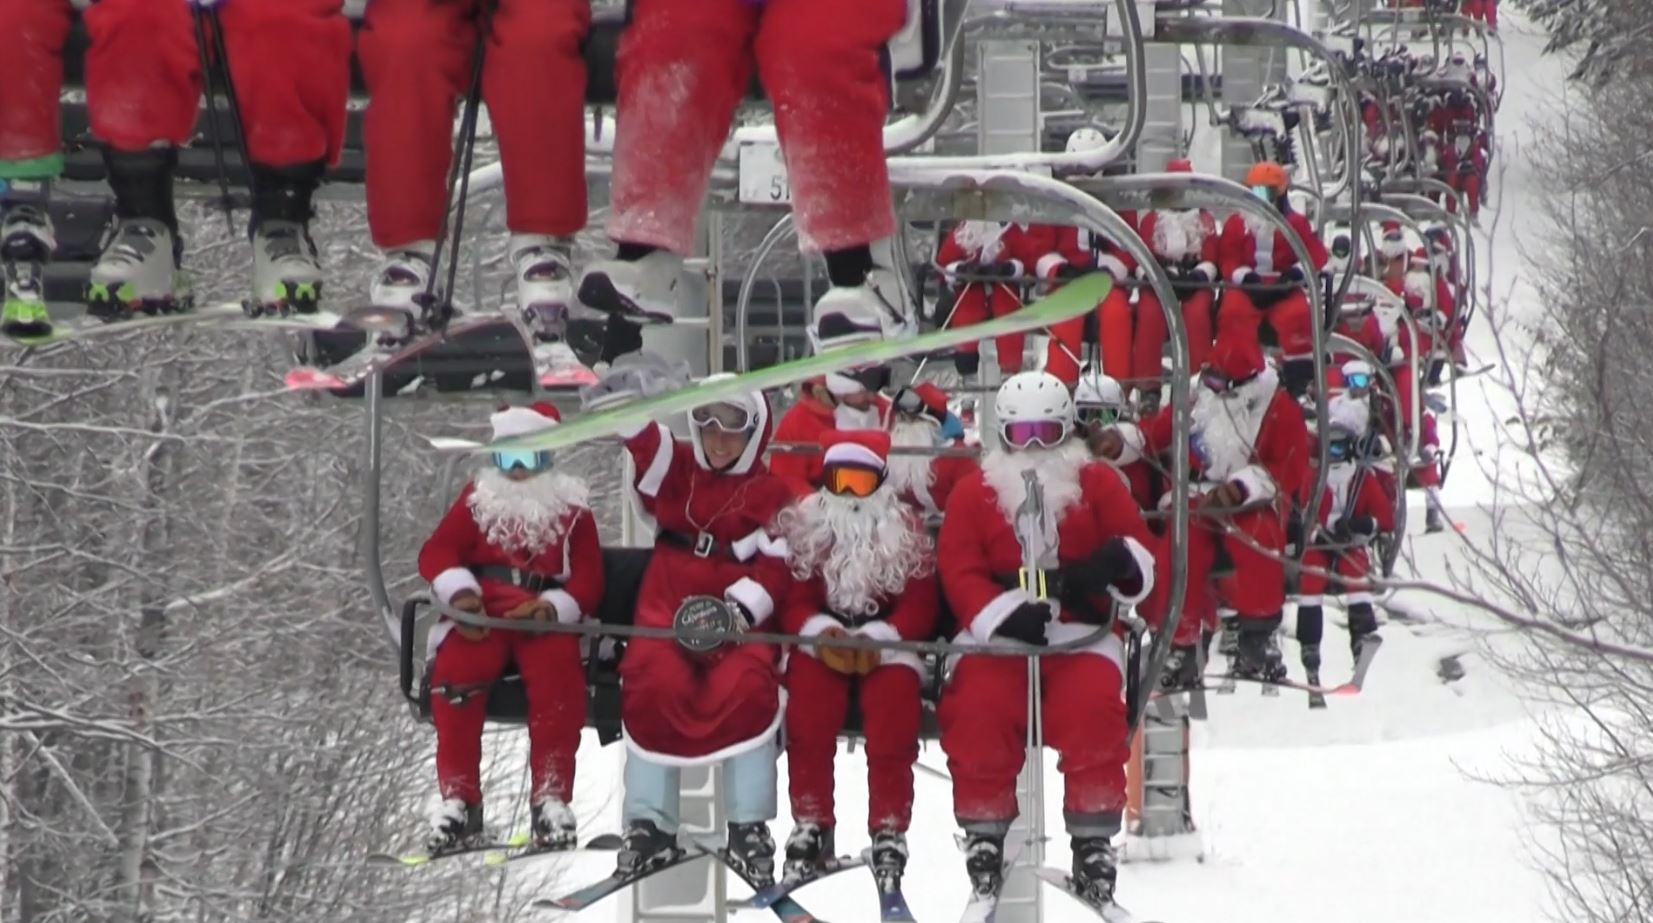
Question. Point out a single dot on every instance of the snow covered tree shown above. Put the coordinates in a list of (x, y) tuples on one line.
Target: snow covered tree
[(1608, 37)]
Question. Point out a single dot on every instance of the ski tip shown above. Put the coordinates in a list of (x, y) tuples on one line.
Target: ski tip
[(568, 379), (313, 380), (450, 444)]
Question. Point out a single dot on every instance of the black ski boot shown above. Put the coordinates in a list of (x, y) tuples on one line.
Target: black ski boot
[(454, 825), (553, 824), (1257, 657), (984, 863), (1095, 870), (1182, 670), (1432, 520), (1363, 624), (752, 851), (809, 845), (1311, 663), (889, 859), (644, 848), (1229, 645)]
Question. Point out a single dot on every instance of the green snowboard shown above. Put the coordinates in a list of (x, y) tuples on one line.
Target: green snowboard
[(1073, 300)]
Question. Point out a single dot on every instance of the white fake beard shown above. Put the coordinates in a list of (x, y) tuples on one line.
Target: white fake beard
[(1178, 233), (1058, 471), (1417, 284), (866, 550), (1339, 478), (980, 238), (846, 417), (1258, 227), (526, 515), (906, 473), (1227, 427)]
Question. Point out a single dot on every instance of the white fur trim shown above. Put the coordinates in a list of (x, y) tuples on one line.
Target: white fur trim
[(1112, 264), (717, 756), (1358, 597), (843, 385), (438, 633), (995, 612), (452, 581), (1259, 486), (1135, 443), (754, 597), (568, 609), (519, 421), (1049, 263), (648, 484), (815, 625), (1108, 646), (1210, 270), (1308, 601), (759, 541), (884, 631), (1238, 275), (852, 453), (1145, 566), (1016, 267)]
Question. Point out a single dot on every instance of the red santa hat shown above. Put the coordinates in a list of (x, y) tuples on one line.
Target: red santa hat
[(1237, 355), (868, 448), (511, 421), (1394, 240), (1180, 165), (1420, 258)]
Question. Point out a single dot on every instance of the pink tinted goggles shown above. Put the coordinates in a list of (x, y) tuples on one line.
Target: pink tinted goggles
[(1020, 434)]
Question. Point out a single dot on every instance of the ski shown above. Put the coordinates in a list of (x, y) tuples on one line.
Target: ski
[(1316, 699), (355, 368), (787, 909), (425, 857), (784, 886), (596, 891), (607, 842), (226, 316), (892, 906), (1072, 300), (986, 909), (1111, 911), (1354, 686)]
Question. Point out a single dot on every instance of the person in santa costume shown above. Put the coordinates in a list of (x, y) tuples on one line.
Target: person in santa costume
[(418, 58), (1253, 253), (983, 261), (714, 505), (920, 419), (289, 61), (1099, 406), (1184, 240), (519, 543), (1249, 454), (840, 401), (684, 67), (1354, 510), (1094, 554), (865, 568)]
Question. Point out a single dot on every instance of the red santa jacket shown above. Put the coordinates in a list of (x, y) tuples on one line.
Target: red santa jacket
[(1364, 329), (574, 561), (979, 552), (1370, 500), (910, 616), (1059, 245), (1242, 252), (809, 420), (731, 512), (989, 243), (1183, 239)]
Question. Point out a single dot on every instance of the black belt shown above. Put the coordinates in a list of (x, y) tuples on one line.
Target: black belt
[(532, 581), (1043, 584), (702, 544)]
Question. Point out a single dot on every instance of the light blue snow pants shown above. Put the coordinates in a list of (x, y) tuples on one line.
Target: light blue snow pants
[(653, 791)]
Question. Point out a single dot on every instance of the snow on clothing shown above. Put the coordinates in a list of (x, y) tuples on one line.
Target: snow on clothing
[(1251, 245), (684, 65), (1345, 498), (990, 243), (290, 60), (983, 710), (561, 549), (417, 58), (1184, 241), (1080, 247)]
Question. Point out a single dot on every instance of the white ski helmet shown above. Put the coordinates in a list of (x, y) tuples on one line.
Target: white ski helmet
[(1098, 390), (1034, 397), (1085, 139)]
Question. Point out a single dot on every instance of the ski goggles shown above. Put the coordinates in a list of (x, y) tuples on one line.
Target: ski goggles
[(1266, 193), (1219, 383), (1358, 379), (529, 459), (874, 378), (1342, 247), (1341, 449), (852, 480), (731, 418), (1095, 414), (908, 402), (1020, 434)]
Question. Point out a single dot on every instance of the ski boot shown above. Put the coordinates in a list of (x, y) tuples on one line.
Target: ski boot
[(137, 272), (809, 845), (1095, 871), (877, 309), (1229, 645), (751, 850), (1310, 654), (984, 863), (643, 290), (646, 848), (26, 244), (1257, 656), (454, 825), (1182, 670), (1432, 521), (544, 284), (397, 297), (1363, 624), (286, 266), (889, 859), (553, 825)]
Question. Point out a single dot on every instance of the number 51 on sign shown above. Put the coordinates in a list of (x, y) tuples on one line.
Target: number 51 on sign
[(763, 178)]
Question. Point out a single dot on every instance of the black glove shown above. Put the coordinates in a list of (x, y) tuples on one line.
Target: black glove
[(1182, 669), (1112, 565), (1196, 275), (995, 271), (1294, 532), (1362, 528), (1251, 278), (1026, 624), (1292, 276), (1068, 271)]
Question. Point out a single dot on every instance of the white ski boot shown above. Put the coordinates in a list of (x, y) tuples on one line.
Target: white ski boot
[(453, 825), (286, 271), (137, 272), (26, 244), (643, 290), (878, 309), (396, 297), (554, 825), (545, 283)]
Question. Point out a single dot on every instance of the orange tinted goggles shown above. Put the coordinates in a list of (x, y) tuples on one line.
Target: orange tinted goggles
[(852, 480)]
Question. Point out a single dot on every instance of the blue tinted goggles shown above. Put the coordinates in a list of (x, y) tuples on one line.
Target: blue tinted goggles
[(522, 458), (1341, 449), (1358, 380)]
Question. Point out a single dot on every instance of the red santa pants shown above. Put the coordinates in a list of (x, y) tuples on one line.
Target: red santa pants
[(417, 56), (1257, 588), (1113, 317), (555, 683), (1291, 318), (984, 731), (684, 67), (682, 704), (979, 302), (1151, 332), (1469, 184), (1351, 568), (31, 44), (816, 705)]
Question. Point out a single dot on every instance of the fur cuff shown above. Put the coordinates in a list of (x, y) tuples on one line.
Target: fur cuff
[(879, 631), (754, 597), (568, 610), (1238, 275), (1135, 443), (1210, 270), (1259, 486), (1114, 265), (995, 612), (1145, 574), (1048, 264), (1016, 267), (454, 580)]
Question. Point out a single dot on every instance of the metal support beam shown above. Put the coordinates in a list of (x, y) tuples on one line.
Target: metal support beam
[(1161, 138), (1007, 97)]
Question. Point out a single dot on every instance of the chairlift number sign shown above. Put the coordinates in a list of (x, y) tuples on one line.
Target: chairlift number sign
[(763, 178)]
